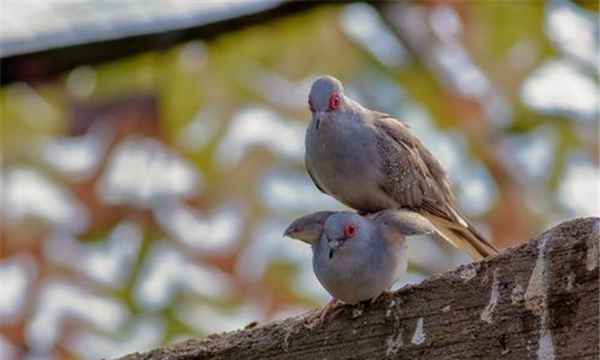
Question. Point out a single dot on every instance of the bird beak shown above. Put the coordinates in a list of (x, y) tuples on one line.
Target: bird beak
[(333, 246), (319, 116), (299, 233), (290, 231)]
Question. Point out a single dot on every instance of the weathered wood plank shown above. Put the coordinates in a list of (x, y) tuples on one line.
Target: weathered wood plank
[(535, 301)]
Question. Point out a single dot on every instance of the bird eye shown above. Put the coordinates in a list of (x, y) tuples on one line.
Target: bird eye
[(310, 105), (334, 101), (349, 230)]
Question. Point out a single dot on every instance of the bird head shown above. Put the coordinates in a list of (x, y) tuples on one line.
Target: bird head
[(343, 227), (326, 96), (308, 228)]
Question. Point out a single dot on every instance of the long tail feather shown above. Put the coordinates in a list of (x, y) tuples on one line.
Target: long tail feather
[(465, 238)]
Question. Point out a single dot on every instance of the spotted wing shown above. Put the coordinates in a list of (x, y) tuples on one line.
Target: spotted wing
[(412, 176)]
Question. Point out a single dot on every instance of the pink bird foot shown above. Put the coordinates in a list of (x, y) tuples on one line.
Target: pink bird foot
[(320, 316)]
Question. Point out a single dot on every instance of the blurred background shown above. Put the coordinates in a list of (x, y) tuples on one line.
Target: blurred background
[(152, 152)]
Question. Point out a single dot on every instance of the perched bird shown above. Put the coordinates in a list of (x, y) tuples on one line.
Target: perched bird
[(356, 257), (370, 161)]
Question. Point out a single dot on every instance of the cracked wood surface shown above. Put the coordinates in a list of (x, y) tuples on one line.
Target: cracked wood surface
[(535, 301)]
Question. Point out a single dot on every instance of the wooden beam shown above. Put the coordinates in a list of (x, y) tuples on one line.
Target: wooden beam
[(535, 301)]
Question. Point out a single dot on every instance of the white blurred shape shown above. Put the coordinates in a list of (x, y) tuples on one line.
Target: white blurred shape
[(579, 190), (60, 301), (364, 25), (497, 109), (290, 191), (283, 92), (445, 22), (379, 91), (204, 318), (8, 351), (464, 76), (260, 126), (108, 262), (447, 147), (81, 82), (143, 172), (193, 56), (198, 132), (76, 157), (276, 88), (212, 234), (16, 275), (266, 245), (476, 189), (574, 31), (529, 155), (141, 335), (27, 193), (426, 253), (166, 271), (562, 89)]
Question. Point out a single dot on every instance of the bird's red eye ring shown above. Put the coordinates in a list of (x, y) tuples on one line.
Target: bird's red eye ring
[(334, 101), (310, 105), (349, 230)]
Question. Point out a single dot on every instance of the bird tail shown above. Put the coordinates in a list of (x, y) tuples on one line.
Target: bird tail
[(462, 235)]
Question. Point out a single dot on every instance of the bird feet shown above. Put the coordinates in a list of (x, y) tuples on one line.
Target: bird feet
[(386, 294), (320, 316)]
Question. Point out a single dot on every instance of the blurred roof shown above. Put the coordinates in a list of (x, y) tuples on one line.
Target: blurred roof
[(39, 25), (42, 38)]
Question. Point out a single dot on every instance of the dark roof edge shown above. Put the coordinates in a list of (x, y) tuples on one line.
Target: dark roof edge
[(42, 65)]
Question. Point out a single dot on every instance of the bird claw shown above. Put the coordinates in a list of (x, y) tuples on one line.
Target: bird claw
[(320, 316), (386, 294)]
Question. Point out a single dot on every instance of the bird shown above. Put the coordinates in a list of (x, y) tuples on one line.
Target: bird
[(355, 257), (370, 161)]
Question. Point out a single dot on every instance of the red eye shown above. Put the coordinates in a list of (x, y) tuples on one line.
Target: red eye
[(349, 230), (310, 105), (334, 101)]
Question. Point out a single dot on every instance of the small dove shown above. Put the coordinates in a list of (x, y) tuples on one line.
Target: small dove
[(370, 161), (355, 257)]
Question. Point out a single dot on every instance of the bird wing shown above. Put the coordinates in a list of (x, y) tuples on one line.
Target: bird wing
[(404, 222), (416, 180), (412, 176)]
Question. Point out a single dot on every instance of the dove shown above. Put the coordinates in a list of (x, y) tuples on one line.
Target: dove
[(355, 257), (370, 161)]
